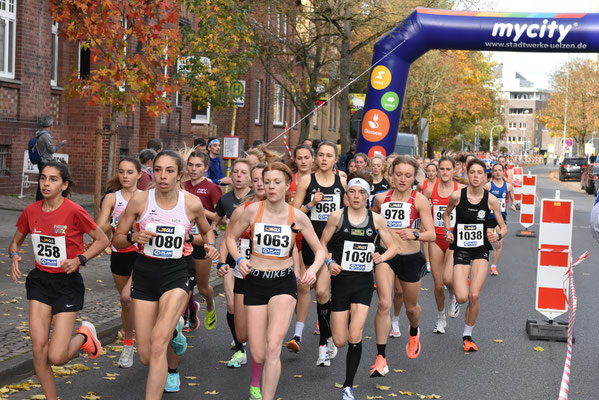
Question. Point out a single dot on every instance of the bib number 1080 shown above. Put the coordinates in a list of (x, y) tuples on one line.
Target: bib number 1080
[(271, 240), (166, 242), (47, 250)]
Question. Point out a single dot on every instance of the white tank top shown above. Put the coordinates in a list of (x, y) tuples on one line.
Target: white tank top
[(171, 226), (119, 207)]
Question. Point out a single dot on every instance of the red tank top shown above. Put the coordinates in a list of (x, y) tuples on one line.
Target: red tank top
[(414, 216), (438, 206)]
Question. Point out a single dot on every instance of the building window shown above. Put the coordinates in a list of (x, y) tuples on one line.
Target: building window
[(522, 125), (258, 99), (123, 152), (512, 125), (279, 106), (519, 111), (84, 61), (4, 151), (8, 18), (54, 55), (200, 115), (181, 68)]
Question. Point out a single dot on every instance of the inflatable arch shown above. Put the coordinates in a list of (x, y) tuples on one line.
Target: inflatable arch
[(427, 29)]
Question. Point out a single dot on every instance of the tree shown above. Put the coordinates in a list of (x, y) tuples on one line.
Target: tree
[(579, 78)]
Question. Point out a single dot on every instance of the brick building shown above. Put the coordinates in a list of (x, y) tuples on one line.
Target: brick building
[(34, 65)]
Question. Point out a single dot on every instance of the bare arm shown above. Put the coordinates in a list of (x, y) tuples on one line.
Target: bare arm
[(387, 238), (103, 220), (131, 214), (203, 226), (493, 204), (327, 234), (510, 191), (310, 237), (100, 242), (454, 199), (234, 232), (14, 247)]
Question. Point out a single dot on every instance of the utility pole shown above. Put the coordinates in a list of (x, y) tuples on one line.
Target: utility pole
[(566, 108)]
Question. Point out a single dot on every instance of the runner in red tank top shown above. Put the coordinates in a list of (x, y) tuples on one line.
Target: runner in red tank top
[(55, 287), (441, 255)]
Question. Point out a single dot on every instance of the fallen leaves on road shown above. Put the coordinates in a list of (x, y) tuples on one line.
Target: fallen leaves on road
[(381, 387), (11, 389), (498, 340), (92, 396), (538, 348), (212, 392), (406, 393), (399, 371), (69, 369)]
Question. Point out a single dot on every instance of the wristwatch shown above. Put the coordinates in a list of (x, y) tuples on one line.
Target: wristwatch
[(82, 260), (416, 235), (130, 237)]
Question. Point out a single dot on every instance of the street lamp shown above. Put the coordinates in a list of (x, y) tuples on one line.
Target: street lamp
[(491, 145)]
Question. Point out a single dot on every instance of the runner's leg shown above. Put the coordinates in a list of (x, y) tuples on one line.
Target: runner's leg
[(477, 280), (384, 277), (123, 286), (145, 314), (40, 319), (63, 345), (203, 282), (359, 312)]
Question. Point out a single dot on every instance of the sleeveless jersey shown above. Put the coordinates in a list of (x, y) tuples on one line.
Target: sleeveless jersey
[(331, 201), (470, 232), (244, 244), (171, 226), (438, 207), (352, 246), (272, 241), (502, 195), (425, 184), (377, 188), (400, 215), (119, 207), (293, 188)]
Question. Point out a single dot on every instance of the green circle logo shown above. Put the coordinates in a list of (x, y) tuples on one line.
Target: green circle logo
[(390, 101)]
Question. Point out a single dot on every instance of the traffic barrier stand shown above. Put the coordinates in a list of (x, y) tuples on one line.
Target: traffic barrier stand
[(553, 263), (527, 208), (517, 184)]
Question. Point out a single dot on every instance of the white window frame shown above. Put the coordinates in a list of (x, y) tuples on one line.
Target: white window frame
[(278, 118), (202, 119), (278, 26), (8, 14), (315, 118), (54, 55), (258, 110), (294, 111)]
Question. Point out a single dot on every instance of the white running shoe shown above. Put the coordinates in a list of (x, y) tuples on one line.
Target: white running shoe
[(126, 358), (323, 358), (440, 325), (454, 308), (395, 332), (331, 348), (428, 267)]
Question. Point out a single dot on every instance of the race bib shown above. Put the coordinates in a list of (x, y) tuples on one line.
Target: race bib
[(272, 240), (244, 248), (194, 230), (397, 214), (322, 209), (470, 235), (502, 204), (167, 244), (357, 256), (49, 250), (438, 214)]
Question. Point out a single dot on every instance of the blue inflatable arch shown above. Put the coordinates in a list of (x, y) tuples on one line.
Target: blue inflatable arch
[(426, 29)]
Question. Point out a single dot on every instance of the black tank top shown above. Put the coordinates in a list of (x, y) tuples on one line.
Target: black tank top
[(332, 201), (352, 246), (470, 232)]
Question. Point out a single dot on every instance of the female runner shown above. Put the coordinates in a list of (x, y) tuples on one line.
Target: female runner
[(209, 193), (379, 183), (160, 283), (303, 159), (471, 241), (55, 287), (402, 207), (318, 195), (441, 255), (270, 280), (350, 235), (124, 185)]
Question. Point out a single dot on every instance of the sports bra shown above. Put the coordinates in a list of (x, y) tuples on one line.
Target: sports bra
[(400, 214)]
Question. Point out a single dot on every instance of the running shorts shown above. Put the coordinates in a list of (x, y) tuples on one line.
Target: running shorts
[(307, 253), (199, 253), (153, 277), (409, 267), (465, 257), (492, 223), (191, 270), (261, 286), (122, 263), (349, 288), (62, 292), (239, 286)]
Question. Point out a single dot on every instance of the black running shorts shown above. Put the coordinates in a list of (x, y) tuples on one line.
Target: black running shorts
[(63, 292), (122, 263), (153, 277), (261, 286), (199, 253), (349, 288), (409, 267), (191, 270), (239, 286), (465, 257)]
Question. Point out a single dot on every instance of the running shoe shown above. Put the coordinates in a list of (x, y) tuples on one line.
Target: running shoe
[(348, 393), (194, 321), (317, 330), (413, 346), (323, 358), (331, 348), (395, 332), (494, 271), (91, 345), (379, 368), (233, 347), (469, 344), (179, 342), (440, 325), (454, 308), (255, 393), (186, 323), (126, 358), (428, 267), (210, 318), (238, 359), (294, 344), (173, 383)]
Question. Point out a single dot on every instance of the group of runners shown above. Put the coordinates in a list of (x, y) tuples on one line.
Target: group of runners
[(290, 227)]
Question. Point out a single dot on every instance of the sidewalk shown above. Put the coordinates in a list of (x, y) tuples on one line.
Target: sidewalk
[(13, 202), (101, 307)]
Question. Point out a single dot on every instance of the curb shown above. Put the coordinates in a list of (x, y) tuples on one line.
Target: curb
[(20, 367)]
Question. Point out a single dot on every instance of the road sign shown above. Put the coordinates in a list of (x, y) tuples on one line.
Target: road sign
[(517, 183), (237, 89), (30, 168), (230, 147), (569, 142), (527, 208)]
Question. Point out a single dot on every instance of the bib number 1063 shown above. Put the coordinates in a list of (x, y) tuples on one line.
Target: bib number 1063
[(271, 240)]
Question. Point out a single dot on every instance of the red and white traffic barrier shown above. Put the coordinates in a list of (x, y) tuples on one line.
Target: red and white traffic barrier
[(565, 386), (527, 208), (285, 140), (517, 183)]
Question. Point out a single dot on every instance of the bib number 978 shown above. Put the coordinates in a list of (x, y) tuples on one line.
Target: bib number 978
[(395, 214)]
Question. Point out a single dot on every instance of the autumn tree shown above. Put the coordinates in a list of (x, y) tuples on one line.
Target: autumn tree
[(579, 78)]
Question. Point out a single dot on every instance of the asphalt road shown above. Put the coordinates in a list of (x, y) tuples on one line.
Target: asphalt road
[(508, 370)]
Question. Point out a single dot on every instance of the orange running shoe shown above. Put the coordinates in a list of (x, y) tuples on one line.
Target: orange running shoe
[(413, 346), (294, 344), (317, 330), (494, 271), (469, 344), (379, 368), (92, 345)]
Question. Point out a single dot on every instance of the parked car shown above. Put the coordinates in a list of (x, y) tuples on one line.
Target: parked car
[(571, 167), (589, 178)]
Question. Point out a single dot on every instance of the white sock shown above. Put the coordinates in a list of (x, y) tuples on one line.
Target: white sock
[(299, 329), (395, 319), (441, 314), (468, 330), (493, 266)]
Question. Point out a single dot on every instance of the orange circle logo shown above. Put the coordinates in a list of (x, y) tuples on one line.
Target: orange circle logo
[(377, 150), (380, 77), (375, 125)]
